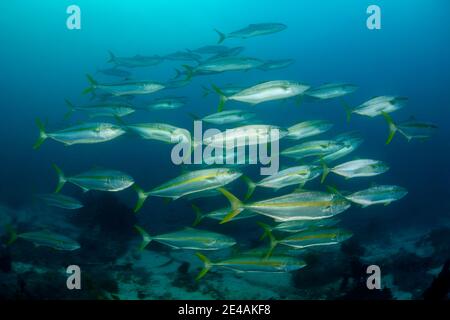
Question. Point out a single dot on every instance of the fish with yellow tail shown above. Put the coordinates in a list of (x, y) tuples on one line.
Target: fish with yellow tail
[(356, 168), (189, 183), (297, 175), (250, 263), (44, 238), (300, 205), (308, 238), (188, 238), (411, 129), (377, 194)]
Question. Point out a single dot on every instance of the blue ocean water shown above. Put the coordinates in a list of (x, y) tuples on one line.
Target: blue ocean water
[(44, 63)]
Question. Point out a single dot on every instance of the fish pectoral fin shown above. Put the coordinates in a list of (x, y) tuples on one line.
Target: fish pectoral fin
[(387, 203)]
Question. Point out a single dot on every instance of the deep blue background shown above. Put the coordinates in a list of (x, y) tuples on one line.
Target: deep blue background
[(42, 62)]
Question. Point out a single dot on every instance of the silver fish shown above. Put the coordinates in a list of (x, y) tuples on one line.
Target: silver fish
[(252, 30), (307, 129), (159, 131), (45, 238), (212, 50), (383, 194), (263, 92), (350, 141), (357, 168), (312, 148), (411, 129), (223, 64), (228, 117), (95, 179), (113, 109), (310, 238), (300, 225), (301, 205), (136, 61), (331, 90), (86, 133), (377, 106), (124, 88), (189, 183), (188, 238), (248, 263), (297, 175), (276, 64), (166, 103), (246, 135), (218, 214), (60, 201)]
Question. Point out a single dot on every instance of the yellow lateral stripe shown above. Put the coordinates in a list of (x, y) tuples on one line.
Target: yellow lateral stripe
[(256, 263), (294, 204), (313, 236), (200, 178)]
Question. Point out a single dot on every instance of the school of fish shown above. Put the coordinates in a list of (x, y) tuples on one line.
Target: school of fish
[(301, 218)]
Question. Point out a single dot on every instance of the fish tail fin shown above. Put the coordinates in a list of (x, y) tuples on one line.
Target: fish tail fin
[(198, 215), (222, 96), (236, 205), (193, 116), (92, 83), (189, 71), (12, 234), (266, 230), (335, 191), (348, 109), (71, 109), (251, 186), (146, 238), (42, 135), (112, 56), (206, 91), (142, 196), (120, 120), (61, 178), (222, 36), (207, 266), (325, 171), (392, 127), (177, 74)]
